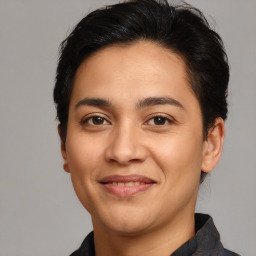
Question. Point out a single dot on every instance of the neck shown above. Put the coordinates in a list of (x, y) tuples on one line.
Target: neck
[(162, 242)]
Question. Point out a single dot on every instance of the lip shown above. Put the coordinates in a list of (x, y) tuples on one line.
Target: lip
[(126, 186)]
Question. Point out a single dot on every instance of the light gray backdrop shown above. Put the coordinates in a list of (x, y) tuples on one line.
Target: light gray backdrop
[(39, 212)]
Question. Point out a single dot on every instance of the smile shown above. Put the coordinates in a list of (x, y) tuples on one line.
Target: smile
[(126, 186)]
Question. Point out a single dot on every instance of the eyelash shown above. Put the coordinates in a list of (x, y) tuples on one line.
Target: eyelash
[(152, 118), (166, 119), (87, 119)]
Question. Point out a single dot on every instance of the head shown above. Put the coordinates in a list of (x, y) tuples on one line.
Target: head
[(179, 33), (181, 29)]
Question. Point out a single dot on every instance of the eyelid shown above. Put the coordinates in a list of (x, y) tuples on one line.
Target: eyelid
[(169, 118), (91, 115)]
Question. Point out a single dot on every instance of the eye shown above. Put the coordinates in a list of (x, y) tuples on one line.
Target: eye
[(95, 121), (159, 120)]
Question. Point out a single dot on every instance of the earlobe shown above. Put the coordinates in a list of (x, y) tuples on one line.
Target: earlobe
[(63, 152), (213, 146)]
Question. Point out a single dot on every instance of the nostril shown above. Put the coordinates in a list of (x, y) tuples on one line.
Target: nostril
[(125, 149), (124, 161)]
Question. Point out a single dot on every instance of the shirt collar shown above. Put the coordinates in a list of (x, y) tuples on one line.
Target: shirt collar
[(207, 239)]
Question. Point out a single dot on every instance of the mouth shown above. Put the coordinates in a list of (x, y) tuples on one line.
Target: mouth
[(126, 186)]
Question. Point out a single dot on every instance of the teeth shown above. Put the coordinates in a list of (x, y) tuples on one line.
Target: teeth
[(127, 184)]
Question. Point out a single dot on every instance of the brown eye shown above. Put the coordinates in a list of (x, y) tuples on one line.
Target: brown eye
[(95, 120), (159, 120)]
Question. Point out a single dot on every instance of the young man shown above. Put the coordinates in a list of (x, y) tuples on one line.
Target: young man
[(141, 92)]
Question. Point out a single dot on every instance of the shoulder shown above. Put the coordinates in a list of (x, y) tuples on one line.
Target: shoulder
[(208, 238), (229, 253)]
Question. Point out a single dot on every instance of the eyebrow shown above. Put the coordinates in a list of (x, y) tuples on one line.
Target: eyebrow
[(97, 102), (150, 101)]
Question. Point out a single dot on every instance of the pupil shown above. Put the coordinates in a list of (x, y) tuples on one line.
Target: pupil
[(159, 120), (97, 120)]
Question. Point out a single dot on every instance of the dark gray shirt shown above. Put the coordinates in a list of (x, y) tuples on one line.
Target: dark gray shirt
[(206, 242)]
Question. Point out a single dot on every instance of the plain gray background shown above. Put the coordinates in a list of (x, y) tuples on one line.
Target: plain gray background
[(39, 212)]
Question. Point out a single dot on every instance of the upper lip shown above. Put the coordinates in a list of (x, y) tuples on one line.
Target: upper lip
[(127, 178)]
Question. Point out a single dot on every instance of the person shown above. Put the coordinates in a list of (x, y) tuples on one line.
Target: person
[(141, 89)]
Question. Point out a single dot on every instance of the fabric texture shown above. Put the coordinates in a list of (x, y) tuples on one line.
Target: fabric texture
[(206, 242)]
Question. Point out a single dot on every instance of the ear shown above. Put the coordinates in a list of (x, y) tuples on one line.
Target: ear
[(63, 152), (213, 146)]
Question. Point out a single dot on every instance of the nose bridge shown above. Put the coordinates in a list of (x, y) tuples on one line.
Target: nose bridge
[(125, 145)]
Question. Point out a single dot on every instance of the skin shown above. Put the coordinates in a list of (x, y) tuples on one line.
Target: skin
[(127, 138)]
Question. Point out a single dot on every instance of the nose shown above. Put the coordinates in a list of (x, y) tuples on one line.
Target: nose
[(126, 146)]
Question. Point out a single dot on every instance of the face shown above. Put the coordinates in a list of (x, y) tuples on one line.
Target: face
[(134, 145)]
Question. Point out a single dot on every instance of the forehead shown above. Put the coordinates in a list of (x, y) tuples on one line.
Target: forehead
[(143, 56), (142, 68)]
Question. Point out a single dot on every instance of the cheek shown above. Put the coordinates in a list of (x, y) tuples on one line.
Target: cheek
[(181, 172), (180, 158), (83, 155)]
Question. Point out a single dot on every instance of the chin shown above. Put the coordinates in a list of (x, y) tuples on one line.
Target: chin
[(129, 227), (128, 222)]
